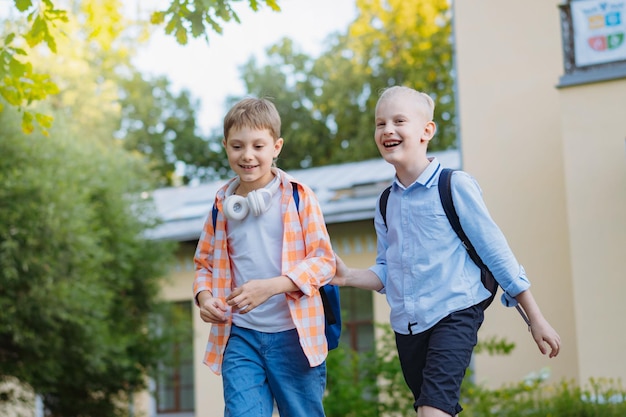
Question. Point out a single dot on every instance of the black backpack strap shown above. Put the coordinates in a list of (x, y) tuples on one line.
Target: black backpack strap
[(445, 193), (383, 203), (214, 215), (328, 310)]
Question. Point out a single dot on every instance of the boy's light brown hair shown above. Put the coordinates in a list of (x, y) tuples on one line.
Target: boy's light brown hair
[(253, 113)]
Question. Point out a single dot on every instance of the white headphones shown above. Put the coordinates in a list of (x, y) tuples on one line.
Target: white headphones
[(237, 207)]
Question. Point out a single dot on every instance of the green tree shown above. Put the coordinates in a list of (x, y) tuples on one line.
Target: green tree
[(327, 103), (80, 283), (161, 126), (199, 18), (102, 92), (408, 43), (87, 71), (204, 160), (288, 79), (22, 83)]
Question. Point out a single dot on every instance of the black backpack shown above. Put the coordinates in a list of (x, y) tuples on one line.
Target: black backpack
[(445, 194)]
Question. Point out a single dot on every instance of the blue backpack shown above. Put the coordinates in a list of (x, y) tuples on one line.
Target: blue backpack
[(328, 292)]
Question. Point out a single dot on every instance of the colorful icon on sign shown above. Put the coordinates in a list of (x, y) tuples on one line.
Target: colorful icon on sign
[(604, 43), (613, 19), (599, 21)]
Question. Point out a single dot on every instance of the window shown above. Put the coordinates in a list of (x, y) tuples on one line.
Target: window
[(594, 41), (175, 380), (357, 318)]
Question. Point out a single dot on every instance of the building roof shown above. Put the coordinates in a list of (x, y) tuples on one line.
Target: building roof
[(346, 192)]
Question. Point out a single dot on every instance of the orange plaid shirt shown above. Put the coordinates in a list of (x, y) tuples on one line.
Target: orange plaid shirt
[(307, 259)]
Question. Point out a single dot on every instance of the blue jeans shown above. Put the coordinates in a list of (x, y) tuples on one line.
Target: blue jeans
[(260, 368)]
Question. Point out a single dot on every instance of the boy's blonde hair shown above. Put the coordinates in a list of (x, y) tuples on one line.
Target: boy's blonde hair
[(422, 99), (253, 113)]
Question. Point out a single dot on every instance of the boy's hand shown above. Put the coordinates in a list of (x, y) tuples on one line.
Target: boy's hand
[(212, 310), (541, 330), (358, 278), (250, 295), (341, 274), (545, 337)]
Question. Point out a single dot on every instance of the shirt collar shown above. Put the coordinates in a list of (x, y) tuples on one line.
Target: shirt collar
[(426, 178)]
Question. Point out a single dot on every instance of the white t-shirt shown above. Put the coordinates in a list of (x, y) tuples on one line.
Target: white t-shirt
[(255, 249)]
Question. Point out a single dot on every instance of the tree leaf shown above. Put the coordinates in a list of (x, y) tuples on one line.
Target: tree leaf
[(197, 25), (157, 18), (50, 41), (27, 122), (23, 5), (181, 35), (44, 120), (16, 68), (37, 31), (9, 38)]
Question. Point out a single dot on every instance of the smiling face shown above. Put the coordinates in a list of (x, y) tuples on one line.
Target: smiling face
[(404, 127), (251, 153), (252, 142)]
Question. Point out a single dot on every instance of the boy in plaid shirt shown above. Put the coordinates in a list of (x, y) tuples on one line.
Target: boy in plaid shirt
[(258, 274)]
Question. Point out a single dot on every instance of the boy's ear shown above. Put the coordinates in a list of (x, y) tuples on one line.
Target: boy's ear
[(278, 146), (429, 131)]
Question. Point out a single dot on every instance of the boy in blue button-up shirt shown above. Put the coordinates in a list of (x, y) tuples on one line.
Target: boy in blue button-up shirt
[(432, 285)]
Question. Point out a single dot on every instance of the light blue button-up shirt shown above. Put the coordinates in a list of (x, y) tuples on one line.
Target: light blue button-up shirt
[(425, 270)]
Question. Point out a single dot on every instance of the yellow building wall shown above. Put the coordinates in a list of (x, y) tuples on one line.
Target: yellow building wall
[(551, 164), (593, 119)]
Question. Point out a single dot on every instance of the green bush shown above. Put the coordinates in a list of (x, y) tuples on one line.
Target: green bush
[(534, 398), (367, 384), (371, 384)]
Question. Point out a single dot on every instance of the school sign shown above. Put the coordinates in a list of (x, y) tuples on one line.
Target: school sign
[(599, 30)]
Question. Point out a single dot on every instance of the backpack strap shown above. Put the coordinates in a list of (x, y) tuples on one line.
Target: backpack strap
[(487, 278), (214, 215), (445, 194), (382, 203), (328, 310), (296, 195)]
